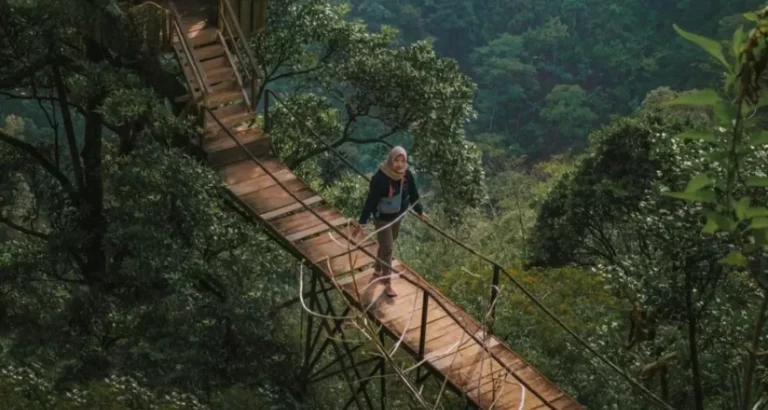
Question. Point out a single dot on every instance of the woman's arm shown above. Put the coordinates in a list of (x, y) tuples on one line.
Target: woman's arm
[(374, 194)]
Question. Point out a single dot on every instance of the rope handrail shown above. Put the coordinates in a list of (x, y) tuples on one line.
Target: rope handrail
[(420, 282), (487, 259)]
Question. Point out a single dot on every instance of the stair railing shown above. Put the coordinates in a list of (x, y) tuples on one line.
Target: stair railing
[(173, 31), (246, 65)]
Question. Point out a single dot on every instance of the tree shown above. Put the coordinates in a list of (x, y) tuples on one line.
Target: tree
[(124, 259), (348, 83), (737, 157), (609, 216)]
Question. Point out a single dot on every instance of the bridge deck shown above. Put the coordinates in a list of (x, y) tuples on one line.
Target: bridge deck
[(489, 371)]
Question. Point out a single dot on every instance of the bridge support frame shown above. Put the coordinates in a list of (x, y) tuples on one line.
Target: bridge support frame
[(325, 329)]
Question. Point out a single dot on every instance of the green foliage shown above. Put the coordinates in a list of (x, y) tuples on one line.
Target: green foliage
[(519, 51), (366, 91)]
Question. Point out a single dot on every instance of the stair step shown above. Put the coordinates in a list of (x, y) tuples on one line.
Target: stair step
[(234, 122), (203, 37), (216, 63), (220, 140), (210, 51), (223, 150), (193, 25), (219, 75), (231, 110), (225, 97)]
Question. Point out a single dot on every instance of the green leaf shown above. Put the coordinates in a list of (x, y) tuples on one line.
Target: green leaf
[(760, 236), (738, 37), (697, 182), (706, 195), (751, 16), (725, 112), (710, 46), (740, 208), (700, 97), (757, 181), (758, 223), (756, 211), (710, 227), (696, 135), (759, 139), (723, 223), (718, 156), (734, 258)]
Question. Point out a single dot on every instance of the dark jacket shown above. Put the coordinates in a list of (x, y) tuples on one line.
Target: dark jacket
[(380, 188)]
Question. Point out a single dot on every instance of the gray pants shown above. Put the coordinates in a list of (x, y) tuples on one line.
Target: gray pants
[(386, 238)]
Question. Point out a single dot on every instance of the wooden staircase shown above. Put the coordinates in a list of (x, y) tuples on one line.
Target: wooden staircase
[(225, 95), (453, 343)]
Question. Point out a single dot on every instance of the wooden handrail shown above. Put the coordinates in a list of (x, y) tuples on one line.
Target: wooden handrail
[(231, 22), (175, 26), (189, 52)]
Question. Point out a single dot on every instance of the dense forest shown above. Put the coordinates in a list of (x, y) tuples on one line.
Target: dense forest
[(611, 154)]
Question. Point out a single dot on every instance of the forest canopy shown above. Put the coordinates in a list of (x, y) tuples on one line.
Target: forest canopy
[(612, 155)]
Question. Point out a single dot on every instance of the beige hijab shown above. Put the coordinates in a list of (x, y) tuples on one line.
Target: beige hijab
[(387, 167)]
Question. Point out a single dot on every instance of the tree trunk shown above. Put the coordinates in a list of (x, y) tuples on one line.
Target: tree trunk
[(754, 347), (93, 221), (698, 394)]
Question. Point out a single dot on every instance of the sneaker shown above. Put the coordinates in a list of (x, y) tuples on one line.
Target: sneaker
[(391, 291)]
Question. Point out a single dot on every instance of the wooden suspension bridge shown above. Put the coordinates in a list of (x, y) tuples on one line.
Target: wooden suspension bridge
[(221, 74)]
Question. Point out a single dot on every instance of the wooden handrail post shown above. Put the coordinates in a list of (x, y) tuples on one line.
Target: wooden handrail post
[(423, 336)]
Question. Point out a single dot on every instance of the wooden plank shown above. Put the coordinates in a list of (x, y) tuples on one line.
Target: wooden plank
[(225, 97), (222, 140), (248, 169), (209, 51), (486, 390), (276, 197), (220, 74), (304, 219), (229, 111), (349, 261), (411, 317), (232, 122), (262, 182), (317, 229), (466, 351), (214, 63), (291, 208), (202, 37), (447, 343), (324, 246)]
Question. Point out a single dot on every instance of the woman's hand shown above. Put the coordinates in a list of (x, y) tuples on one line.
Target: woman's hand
[(423, 217)]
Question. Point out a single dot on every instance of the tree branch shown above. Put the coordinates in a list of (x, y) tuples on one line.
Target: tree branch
[(30, 150), (69, 129), (326, 56), (381, 139), (25, 231), (80, 110), (14, 79)]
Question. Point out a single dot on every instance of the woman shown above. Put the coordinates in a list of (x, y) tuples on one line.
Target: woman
[(392, 190)]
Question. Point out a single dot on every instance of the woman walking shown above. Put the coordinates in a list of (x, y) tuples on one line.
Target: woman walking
[(392, 190)]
